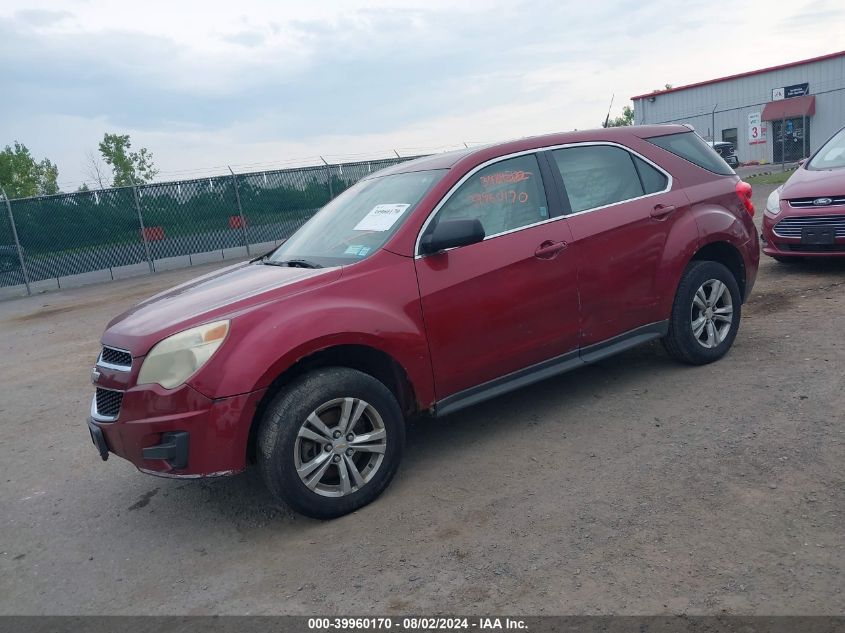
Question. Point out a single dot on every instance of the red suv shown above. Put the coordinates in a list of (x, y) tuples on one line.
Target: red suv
[(805, 217), (424, 289)]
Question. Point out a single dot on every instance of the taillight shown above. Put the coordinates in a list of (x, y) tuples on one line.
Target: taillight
[(743, 191)]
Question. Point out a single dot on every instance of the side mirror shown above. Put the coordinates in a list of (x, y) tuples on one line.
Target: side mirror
[(801, 162), (452, 233)]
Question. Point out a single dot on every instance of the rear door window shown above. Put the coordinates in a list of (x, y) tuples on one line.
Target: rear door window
[(690, 146), (598, 175)]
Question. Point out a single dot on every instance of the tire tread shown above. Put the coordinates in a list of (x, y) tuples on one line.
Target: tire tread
[(679, 342)]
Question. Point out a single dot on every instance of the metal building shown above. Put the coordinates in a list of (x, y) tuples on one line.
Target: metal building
[(780, 113)]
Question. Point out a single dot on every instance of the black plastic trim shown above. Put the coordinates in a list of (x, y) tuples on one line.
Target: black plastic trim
[(612, 346), (552, 367), (558, 202), (173, 449), (99, 439)]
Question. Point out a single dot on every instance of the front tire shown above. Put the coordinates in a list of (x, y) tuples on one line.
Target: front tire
[(705, 314), (331, 442)]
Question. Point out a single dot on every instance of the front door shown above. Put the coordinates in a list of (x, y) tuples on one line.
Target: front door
[(508, 302)]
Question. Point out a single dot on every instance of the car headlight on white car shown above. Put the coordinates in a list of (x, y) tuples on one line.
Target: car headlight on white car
[(773, 203), (178, 357)]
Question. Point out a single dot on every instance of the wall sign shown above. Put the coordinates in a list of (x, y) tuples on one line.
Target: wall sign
[(798, 90), (787, 92), (756, 129)]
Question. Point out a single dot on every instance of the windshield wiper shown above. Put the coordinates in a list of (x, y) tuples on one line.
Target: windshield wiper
[(292, 263)]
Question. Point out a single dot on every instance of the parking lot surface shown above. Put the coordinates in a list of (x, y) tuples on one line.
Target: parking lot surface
[(634, 486)]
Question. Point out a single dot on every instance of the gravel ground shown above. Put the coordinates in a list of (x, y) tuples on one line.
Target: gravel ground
[(635, 486)]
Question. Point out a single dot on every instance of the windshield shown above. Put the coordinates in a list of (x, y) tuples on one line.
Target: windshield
[(832, 153), (358, 222)]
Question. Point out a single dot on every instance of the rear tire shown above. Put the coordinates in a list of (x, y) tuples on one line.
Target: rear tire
[(330, 442), (705, 314)]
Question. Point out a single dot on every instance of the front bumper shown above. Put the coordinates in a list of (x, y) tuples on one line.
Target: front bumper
[(779, 246), (179, 432)]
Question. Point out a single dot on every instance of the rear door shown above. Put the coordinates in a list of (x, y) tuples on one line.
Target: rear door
[(622, 210), (511, 301)]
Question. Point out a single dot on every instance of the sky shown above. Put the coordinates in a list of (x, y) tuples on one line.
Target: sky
[(261, 84)]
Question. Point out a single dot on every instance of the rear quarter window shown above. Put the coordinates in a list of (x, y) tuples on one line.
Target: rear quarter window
[(691, 147), (653, 180)]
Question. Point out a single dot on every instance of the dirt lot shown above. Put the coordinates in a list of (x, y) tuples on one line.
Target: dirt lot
[(635, 486)]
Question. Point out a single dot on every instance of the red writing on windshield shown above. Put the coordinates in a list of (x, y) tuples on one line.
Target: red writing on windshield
[(508, 197), (505, 177)]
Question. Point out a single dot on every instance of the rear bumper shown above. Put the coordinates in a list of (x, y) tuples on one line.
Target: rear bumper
[(181, 433)]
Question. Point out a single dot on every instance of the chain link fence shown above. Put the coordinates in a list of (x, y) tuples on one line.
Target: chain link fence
[(110, 233)]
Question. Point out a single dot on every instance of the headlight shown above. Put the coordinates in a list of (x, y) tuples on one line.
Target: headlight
[(773, 203), (175, 359)]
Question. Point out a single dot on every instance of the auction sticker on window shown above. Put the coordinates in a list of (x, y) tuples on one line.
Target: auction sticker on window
[(381, 218)]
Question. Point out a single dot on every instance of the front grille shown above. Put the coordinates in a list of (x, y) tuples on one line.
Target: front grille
[(813, 248), (116, 357), (791, 227), (108, 402), (809, 203)]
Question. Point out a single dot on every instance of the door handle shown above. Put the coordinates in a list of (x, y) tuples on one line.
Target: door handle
[(549, 249), (662, 210)]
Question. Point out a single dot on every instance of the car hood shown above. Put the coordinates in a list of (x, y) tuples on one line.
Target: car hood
[(807, 183), (220, 294)]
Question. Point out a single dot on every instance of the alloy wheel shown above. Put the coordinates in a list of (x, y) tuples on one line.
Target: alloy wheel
[(711, 313), (340, 447)]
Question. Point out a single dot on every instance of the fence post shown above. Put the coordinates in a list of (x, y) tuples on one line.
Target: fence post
[(240, 208), (143, 228), (783, 143), (713, 124), (17, 242), (804, 136), (328, 177)]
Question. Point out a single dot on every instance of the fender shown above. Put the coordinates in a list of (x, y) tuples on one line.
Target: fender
[(713, 224), (275, 335), (681, 244)]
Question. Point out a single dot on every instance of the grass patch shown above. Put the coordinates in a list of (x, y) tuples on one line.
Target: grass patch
[(776, 178)]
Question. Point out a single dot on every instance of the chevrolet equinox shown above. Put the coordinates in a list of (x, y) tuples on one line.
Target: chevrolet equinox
[(423, 289)]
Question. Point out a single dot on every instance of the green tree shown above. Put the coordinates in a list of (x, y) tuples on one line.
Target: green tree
[(627, 118), (127, 167), (22, 176)]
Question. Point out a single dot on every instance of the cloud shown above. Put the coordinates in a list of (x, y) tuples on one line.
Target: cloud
[(41, 17), (205, 84), (250, 39)]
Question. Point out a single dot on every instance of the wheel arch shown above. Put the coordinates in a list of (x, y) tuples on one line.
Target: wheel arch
[(365, 358), (729, 256)]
